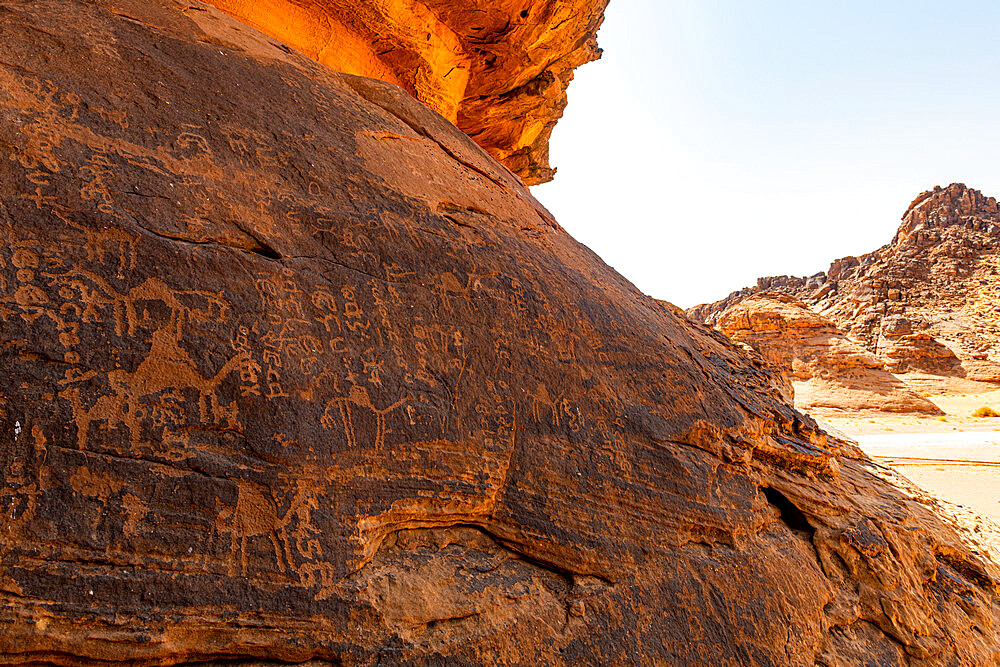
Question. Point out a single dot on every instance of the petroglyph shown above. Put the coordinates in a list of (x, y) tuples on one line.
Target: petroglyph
[(449, 287), (256, 515), (164, 374), (167, 371), (343, 407), (542, 404)]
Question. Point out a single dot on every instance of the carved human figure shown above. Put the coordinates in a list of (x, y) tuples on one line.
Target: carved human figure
[(167, 369)]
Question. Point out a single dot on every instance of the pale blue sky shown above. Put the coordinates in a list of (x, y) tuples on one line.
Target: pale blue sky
[(718, 140)]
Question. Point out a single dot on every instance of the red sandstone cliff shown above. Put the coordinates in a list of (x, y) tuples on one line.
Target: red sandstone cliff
[(498, 70), (823, 366)]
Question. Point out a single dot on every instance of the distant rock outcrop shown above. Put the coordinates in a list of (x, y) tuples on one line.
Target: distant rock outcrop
[(825, 367), (295, 373), (499, 70), (927, 302)]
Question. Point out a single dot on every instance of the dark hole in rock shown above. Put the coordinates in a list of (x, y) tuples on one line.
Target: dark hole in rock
[(791, 515), (267, 251)]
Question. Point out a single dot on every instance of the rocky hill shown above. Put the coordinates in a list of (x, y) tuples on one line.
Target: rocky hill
[(928, 302), (296, 373)]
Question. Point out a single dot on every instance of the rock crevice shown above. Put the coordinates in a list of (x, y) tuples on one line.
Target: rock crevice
[(407, 440)]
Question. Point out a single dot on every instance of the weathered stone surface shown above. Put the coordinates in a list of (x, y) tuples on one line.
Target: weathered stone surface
[(499, 70), (926, 302), (824, 367), (906, 350), (295, 372)]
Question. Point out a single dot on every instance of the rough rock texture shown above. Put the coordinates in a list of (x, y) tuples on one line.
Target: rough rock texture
[(295, 372), (499, 70), (824, 367), (926, 302)]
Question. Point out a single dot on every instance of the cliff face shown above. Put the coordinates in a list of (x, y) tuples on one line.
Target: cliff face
[(926, 302), (498, 70), (824, 367), (294, 371)]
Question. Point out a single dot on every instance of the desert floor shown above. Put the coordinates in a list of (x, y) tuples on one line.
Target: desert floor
[(955, 457)]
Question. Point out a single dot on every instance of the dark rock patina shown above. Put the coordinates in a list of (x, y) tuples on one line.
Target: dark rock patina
[(294, 371)]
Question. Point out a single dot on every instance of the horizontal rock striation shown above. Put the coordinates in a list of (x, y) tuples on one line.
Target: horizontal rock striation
[(294, 372), (498, 70), (824, 368)]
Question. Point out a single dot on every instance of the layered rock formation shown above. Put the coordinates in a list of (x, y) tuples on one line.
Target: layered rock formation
[(498, 70), (295, 372), (926, 302), (823, 366)]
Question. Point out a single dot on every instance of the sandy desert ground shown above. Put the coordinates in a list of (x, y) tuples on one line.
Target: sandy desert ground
[(958, 398), (955, 458)]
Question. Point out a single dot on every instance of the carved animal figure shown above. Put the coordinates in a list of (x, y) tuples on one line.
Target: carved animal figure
[(256, 514), (167, 368), (358, 396)]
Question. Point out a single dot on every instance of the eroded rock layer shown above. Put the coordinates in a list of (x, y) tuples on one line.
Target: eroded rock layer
[(927, 302), (499, 70), (823, 367), (295, 372)]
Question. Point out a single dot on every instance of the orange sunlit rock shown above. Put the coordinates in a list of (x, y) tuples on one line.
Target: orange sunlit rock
[(924, 303), (295, 374), (499, 71), (826, 368)]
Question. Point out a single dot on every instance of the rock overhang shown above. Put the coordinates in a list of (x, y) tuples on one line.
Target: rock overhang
[(296, 374), (499, 71)]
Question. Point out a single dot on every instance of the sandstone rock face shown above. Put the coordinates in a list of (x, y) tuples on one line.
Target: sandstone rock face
[(295, 372), (498, 70), (926, 302), (825, 368)]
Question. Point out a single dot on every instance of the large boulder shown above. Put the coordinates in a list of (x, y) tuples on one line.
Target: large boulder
[(294, 371), (499, 70), (825, 368)]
